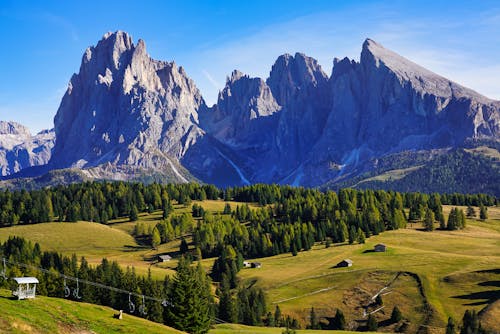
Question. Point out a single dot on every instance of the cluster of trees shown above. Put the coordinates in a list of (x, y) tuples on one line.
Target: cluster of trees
[(456, 220), (97, 201), (190, 306), (470, 324), (300, 217)]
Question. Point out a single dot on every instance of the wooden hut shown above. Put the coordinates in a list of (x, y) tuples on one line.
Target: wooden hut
[(164, 258), (345, 263)]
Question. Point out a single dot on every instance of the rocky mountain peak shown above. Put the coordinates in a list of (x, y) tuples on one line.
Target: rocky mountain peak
[(291, 74), (13, 128), (125, 108), (235, 76), (376, 58)]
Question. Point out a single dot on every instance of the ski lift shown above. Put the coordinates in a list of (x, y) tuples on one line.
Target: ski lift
[(26, 287), (131, 306), (67, 291), (76, 291), (142, 308), (3, 273)]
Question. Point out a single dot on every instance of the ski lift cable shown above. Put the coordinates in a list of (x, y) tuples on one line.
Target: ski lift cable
[(78, 280)]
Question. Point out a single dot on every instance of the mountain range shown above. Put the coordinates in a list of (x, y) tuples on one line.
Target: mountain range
[(382, 122)]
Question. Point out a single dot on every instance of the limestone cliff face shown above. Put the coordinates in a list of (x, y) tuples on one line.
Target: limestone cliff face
[(19, 149), (125, 108), (386, 104)]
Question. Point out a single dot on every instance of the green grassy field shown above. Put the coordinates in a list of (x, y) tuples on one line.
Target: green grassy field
[(432, 275), (53, 315), (449, 271), (113, 241)]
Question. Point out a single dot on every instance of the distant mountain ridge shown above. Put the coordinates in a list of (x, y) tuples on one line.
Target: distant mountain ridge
[(19, 149), (126, 116)]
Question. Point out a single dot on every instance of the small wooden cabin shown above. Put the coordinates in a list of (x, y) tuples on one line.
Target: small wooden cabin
[(26, 287), (379, 248), (345, 263), (164, 258)]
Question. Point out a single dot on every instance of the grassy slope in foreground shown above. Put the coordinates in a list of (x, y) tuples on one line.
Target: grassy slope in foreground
[(54, 315)]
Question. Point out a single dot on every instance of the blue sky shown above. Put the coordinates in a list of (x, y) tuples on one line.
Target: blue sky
[(43, 41)]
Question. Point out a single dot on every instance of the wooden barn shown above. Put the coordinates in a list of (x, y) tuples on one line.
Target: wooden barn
[(26, 287), (345, 263), (379, 248)]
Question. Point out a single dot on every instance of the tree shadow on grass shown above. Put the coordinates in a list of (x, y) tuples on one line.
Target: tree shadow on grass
[(482, 297)]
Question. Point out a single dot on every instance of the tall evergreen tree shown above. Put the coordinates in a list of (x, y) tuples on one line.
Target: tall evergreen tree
[(134, 214), (471, 213), (450, 327), (429, 220), (227, 307), (314, 323), (339, 320), (278, 317), (372, 324), (155, 237), (190, 298), (396, 315), (483, 212)]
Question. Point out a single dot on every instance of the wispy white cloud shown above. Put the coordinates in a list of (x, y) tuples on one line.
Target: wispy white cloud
[(209, 77)]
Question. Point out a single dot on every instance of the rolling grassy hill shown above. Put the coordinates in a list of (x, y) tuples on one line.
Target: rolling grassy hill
[(428, 275), (53, 315)]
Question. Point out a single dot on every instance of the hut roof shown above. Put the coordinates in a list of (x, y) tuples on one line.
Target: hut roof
[(26, 280)]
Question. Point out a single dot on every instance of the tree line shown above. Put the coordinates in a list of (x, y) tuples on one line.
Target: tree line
[(102, 201)]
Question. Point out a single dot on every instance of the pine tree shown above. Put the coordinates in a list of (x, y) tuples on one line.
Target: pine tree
[(155, 238), (461, 222), (452, 220), (339, 320), (227, 307), (314, 323), (227, 209), (372, 323), (134, 214), (360, 236), (396, 315), (450, 327), (270, 320), (184, 246), (483, 212), (352, 234), (278, 317), (191, 299), (471, 213), (429, 220)]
